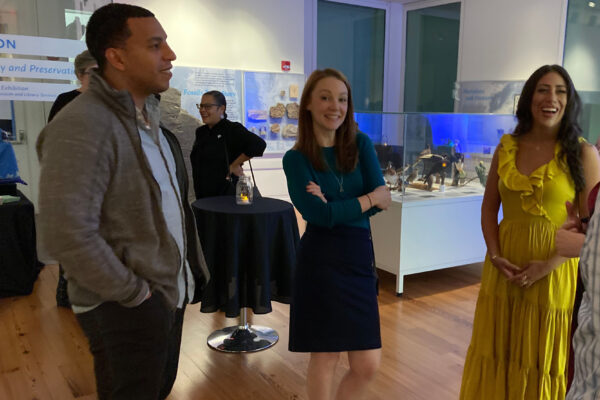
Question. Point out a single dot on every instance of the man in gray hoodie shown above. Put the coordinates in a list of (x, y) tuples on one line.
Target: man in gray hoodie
[(114, 212)]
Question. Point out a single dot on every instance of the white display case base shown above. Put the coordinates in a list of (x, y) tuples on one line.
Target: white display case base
[(425, 231)]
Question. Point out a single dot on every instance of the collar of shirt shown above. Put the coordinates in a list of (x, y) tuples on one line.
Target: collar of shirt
[(147, 120)]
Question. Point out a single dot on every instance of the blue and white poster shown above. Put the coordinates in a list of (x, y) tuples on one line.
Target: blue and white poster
[(193, 82), (271, 107), (16, 73)]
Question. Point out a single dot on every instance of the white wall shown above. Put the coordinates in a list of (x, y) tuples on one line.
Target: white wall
[(500, 40), (251, 35), (509, 39)]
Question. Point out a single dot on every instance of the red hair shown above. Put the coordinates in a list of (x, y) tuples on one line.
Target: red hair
[(346, 151)]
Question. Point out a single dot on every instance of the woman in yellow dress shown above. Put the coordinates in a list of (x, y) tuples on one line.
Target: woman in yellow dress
[(520, 341)]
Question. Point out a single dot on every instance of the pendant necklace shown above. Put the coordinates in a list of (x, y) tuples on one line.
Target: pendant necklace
[(340, 181)]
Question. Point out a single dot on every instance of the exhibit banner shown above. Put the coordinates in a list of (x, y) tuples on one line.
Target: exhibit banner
[(193, 82), (25, 69), (40, 46), (272, 102), (38, 69), (32, 91)]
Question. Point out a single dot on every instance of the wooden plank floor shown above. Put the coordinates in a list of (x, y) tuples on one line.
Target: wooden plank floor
[(43, 353)]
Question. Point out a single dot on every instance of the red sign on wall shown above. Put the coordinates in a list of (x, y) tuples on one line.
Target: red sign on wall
[(285, 65)]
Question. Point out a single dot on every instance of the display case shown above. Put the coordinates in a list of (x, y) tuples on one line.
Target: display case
[(436, 166)]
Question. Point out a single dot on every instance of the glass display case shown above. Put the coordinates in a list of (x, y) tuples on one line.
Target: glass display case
[(436, 166), (429, 155)]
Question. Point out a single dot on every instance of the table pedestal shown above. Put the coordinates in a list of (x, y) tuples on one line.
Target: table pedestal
[(242, 338)]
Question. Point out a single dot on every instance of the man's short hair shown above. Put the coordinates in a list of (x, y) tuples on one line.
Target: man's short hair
[(108, 28)]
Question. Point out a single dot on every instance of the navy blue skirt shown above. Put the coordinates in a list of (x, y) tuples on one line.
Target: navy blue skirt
[(334, 295)]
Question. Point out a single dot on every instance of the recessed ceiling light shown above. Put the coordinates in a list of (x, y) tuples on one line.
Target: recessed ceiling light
[(592, 4)]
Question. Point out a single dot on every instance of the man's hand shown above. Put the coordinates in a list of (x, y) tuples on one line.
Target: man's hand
[(571, 235), (572, 223), (568, 243)]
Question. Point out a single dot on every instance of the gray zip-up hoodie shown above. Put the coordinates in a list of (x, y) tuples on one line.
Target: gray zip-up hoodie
[(100, 207)]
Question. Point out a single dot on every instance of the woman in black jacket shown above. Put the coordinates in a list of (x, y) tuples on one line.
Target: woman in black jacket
[(220, 149)]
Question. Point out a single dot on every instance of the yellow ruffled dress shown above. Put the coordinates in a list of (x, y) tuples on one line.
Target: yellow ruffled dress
[(520, 341)]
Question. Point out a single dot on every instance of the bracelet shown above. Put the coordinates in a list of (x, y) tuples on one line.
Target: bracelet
[(370, 202), (493, 257)]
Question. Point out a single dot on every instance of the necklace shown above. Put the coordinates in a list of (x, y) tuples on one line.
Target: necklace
[(340, 181)]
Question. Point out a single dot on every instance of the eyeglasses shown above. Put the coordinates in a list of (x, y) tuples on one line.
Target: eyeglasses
[(206, 106)]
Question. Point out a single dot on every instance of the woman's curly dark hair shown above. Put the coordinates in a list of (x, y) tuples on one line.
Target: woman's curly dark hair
[(569, 131)]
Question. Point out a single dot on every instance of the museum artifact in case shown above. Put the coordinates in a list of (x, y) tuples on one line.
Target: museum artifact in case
[(436, 166)]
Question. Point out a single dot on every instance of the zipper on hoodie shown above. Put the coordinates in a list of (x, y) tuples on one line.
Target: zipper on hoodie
[(180, 254)]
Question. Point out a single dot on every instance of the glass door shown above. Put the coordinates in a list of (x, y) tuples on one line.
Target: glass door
[(351, 38), (582, 60), (431, 58)]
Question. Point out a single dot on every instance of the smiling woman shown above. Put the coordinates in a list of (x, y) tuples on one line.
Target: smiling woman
[(335, 182), (519, 347), (220, 149)]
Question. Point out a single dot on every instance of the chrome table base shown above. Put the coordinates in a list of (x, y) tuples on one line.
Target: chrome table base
[(242, 338)]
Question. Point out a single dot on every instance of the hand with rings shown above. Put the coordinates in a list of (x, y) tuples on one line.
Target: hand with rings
[(531, 273), (522, 280)]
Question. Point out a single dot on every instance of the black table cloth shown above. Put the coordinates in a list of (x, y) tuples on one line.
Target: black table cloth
[(250, 251), (19, 266)]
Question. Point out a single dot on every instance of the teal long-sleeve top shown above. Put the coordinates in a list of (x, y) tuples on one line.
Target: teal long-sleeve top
[(342, 207)]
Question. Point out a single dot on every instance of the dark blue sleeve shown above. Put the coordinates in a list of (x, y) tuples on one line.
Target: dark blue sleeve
[(370, 169), (299, 172)]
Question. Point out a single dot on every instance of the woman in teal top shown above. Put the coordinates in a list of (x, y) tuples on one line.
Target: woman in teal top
[(341, 206), (335, 182)]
